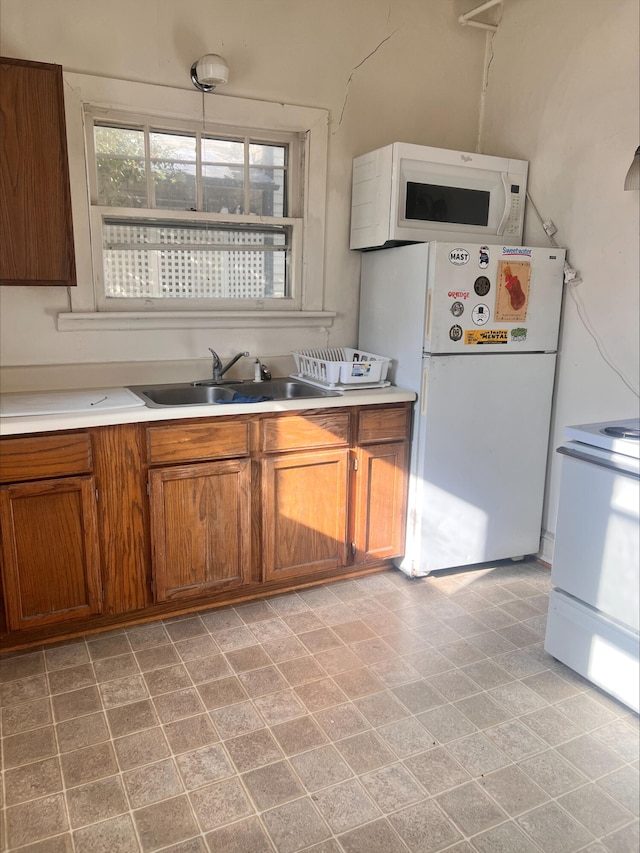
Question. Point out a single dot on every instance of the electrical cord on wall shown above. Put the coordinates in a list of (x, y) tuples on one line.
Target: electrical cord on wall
[(572, 278)]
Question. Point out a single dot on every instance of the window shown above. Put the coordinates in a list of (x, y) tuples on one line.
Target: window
[(183, 217), (157, 175)]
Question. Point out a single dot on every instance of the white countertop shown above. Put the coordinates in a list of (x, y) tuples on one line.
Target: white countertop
[(132, 412)]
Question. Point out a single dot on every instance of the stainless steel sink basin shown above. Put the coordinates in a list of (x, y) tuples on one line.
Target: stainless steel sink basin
[(181, 394), (282, 389), (186, 394)]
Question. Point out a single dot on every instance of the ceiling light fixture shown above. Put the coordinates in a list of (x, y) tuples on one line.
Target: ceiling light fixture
[(209, 71)]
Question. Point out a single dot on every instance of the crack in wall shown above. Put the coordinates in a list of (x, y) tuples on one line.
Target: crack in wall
[(355, 68)]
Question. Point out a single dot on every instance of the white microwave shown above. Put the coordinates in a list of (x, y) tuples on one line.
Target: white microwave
[(406, 193)]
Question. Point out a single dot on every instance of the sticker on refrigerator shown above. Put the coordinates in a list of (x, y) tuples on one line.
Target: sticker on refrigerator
[(512, 297), (480, 337), (455, 333), (518, 335), (482, 285), (457, 309), (483, 257), (480, 314), (459, 257)]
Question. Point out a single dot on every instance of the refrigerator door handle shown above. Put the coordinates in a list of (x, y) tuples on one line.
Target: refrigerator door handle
[(423, 391)]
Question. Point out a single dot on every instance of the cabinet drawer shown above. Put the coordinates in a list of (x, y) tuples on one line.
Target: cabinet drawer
[(193, 442), (40, 457), (383, 425), (329, 429)]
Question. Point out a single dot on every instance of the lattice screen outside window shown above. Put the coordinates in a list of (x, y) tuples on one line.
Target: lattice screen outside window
[(193, 261)]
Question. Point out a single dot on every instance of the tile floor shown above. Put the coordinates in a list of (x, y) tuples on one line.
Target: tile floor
[(376, 715)]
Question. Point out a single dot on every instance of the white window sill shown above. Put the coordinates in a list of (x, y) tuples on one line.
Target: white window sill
[(125, 320)]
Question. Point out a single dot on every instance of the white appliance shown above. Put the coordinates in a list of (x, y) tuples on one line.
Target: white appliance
[(593, 619), (412, 194), (473, 331)]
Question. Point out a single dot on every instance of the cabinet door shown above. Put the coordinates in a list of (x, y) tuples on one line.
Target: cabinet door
[(304, 522), (381, 502), (200, 528), (50, 552), (36, 231)]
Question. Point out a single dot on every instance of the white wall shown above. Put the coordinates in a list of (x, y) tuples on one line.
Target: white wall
[(563, 94), (420, 85)]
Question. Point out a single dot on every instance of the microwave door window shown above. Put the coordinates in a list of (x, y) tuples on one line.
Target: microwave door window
[(455, 205)]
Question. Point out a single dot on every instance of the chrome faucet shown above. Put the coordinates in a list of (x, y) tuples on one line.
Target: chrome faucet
[(218, 369)]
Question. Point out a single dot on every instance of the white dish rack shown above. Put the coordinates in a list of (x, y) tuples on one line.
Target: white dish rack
[(342, 367)]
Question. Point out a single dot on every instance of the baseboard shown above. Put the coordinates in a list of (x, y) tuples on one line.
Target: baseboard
[(545, 554)]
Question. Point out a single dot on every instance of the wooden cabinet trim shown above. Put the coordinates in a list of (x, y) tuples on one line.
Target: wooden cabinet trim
[(195, 442), (42, 456), (384, 423), (305, 432)]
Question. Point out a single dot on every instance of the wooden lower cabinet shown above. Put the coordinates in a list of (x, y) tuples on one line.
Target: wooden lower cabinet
[(304, 513), (235, 505), (380, 502), (200, 528), (50, 551)]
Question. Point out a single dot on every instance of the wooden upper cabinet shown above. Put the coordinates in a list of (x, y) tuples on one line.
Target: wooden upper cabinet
[(36, 232)]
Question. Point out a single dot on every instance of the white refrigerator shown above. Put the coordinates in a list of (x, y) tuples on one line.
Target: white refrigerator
[(473, 330)]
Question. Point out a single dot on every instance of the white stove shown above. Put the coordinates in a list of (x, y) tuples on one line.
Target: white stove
[(618, 436), (593, 622)]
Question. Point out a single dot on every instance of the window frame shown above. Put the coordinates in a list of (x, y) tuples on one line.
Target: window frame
[(168, 108)]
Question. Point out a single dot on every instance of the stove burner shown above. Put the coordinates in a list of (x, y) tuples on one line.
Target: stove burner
[(622, 432)]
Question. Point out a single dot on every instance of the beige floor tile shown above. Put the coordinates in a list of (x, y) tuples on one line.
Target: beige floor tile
[(165, 823), (35, 820), (153, 782), (554, 830), (219, 804), (470, 808), (189, 733), (375, 715), (88, 764), (294, 826), (108, 836), (272, 785), (31, 781), (204, 766), (240, 837), (96, 801), (30, 715)]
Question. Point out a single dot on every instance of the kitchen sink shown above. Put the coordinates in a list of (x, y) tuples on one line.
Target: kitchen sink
[(282, 389), (181, 394), (187, 394)]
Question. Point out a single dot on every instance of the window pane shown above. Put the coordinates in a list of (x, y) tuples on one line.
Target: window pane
[(222, 151), (191, 260), (267, 191), (120, 166), (223, 189), (266, 155), (173, 169)]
